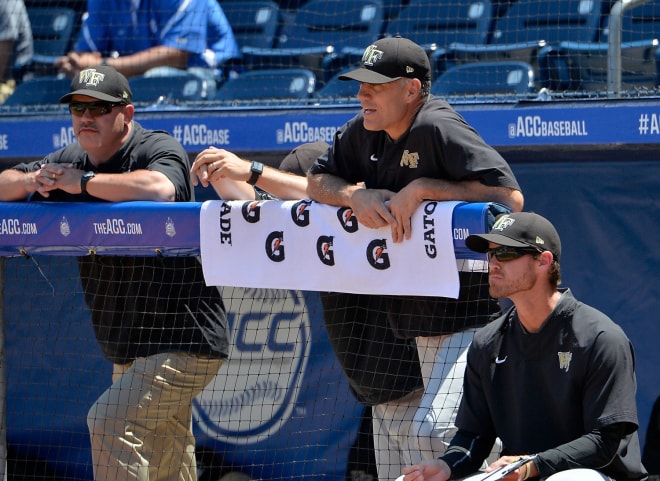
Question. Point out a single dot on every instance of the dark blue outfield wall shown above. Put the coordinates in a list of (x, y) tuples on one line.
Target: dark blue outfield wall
[(593, 168)]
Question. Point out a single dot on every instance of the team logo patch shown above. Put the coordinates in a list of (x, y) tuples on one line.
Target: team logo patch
[(410, 160), (565, 360), (371, 55), (503, 223), (91, 77)]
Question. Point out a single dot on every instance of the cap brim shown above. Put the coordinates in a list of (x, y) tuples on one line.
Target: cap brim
[(479, 242), (90, 93), (367, 76)]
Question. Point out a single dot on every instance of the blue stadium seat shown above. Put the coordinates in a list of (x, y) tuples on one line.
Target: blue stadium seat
[(170, 89), (318, 29), (486, 79), (53, 29), (529, 26), (338, 89), (254, 22), (391, 8), (431, 23), (264, 85), (583, 65), (39, 91)]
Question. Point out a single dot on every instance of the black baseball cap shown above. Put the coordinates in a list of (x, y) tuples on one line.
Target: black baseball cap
[(519, 229), (300, 159), (389, 59), (103, 83)]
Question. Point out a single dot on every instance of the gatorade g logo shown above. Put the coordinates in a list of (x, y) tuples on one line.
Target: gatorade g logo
[(300, 214), (324, 250), (371, 55), (347, 220), (376, 255), (251, 212), (275, 246)]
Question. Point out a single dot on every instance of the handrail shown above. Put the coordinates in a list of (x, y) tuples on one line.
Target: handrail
[(614, 45)]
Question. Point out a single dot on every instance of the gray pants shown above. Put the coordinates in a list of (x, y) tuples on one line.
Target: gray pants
[(140, 427), (421, 425)]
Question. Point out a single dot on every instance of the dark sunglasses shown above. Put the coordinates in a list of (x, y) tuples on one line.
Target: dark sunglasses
[(504, 253), (96, 109)]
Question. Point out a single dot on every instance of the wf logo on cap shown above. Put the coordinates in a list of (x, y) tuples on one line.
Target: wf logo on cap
[(371, 55), (503, 223), (91, 77)]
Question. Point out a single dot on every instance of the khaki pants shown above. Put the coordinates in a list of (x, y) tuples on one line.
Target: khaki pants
[(140, 427)]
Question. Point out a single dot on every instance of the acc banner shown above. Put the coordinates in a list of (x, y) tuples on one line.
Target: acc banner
[(316, 247)]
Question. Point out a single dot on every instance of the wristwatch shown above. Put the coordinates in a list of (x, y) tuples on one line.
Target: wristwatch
[(86, 177), (257, 168)]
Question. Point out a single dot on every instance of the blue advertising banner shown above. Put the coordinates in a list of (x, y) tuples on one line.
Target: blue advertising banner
[(531, 124)]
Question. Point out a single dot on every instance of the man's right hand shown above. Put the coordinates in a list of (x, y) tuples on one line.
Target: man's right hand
[(371, 210), (429, 470)]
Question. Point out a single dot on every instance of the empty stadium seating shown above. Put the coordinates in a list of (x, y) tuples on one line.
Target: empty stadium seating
[(337, 89), (486, 78), (39, 91), (530, 26), (167, 90), (584, 65), (320, 29), (265, 85), (432, 23), (254, 22), (53, 29), (564, 42)]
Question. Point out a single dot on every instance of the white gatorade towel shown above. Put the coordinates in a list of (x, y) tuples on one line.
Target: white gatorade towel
[(316, 247)]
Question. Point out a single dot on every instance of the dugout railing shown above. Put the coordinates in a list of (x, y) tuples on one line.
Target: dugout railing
[(280, 408)]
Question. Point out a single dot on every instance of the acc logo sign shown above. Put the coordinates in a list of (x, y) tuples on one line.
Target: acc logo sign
[(256, 390)]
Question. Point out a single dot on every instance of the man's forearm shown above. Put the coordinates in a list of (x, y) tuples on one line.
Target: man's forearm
[(330, 189), (138, 63), (14, 185), (467, 190)]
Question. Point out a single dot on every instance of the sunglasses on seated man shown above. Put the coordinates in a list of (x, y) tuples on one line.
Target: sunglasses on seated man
[(96, 109), (506, 253)]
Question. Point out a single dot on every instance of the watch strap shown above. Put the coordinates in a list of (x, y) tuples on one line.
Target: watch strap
[(257, 168), (86, 177)]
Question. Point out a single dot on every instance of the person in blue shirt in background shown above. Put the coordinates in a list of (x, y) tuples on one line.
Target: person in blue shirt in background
[(152, 38), (16, 44)]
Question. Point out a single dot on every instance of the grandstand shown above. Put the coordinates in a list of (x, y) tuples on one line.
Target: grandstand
[(569, 44), (566, 90)]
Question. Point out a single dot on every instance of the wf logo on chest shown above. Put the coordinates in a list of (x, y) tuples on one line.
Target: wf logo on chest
[(410, 160)]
